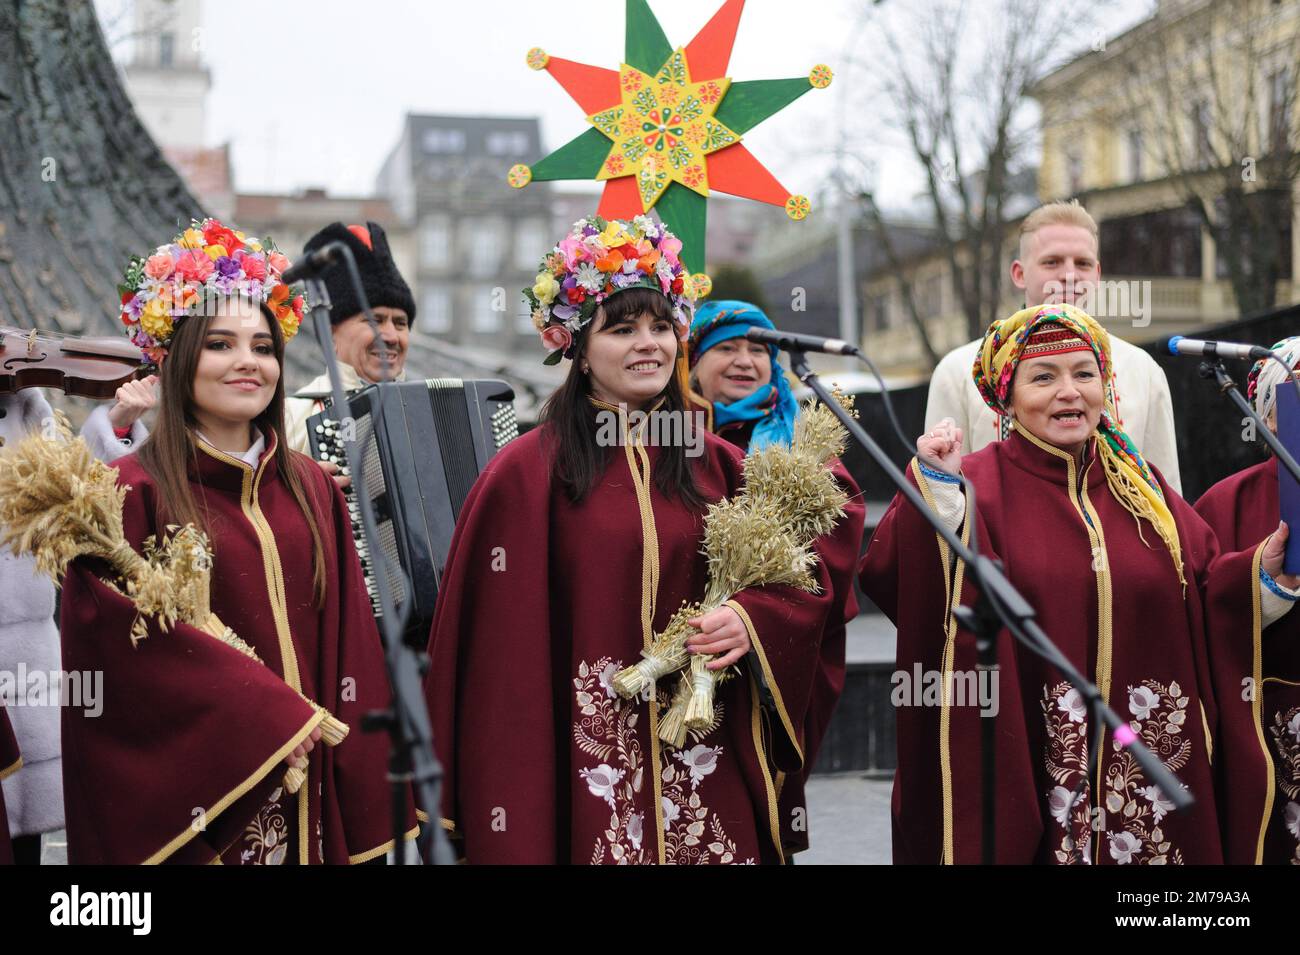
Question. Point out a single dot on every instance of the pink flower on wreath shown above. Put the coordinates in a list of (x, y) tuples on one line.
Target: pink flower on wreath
[(569, 246), (557, 338), (254, 267), (158, 266), (194, 266), (671, 248), (278, 262)]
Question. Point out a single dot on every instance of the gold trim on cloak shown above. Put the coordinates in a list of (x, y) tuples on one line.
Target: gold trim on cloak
[(1257, 698), (222, 804), (248, 501), (377, 851), (637, 458), (773, 788), (1105, 593), (756, 728), (12, 768), (952, 588), (769, 677)]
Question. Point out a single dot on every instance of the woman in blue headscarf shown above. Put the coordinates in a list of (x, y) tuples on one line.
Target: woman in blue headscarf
[(753, 407)]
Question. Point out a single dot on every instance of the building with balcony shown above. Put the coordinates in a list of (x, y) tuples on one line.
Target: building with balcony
[(477, 241), (1157, 133)]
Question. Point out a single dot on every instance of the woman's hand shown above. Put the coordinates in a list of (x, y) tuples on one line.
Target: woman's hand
[(941, 448), (133, 399), (721, 632), (1274, 551), (334, 471), (298, 758)]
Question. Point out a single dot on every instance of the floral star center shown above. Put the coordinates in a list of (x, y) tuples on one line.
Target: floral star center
[(664, 128)]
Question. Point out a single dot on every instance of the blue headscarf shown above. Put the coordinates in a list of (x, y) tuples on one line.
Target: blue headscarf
[(772, 406)]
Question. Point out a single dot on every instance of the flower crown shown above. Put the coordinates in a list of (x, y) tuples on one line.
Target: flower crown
[(596, 260), (206, 261)]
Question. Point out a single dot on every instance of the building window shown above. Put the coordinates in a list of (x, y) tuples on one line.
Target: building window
[(166, 50), (1280, 96), (1202, 148), (1074, 171), (435, 312), (877, 313), (1155, 244), (1266, 206), (1134, 141), (507, 142), (485, 246), (487, 309), (532, 242), (435, 242), (444, 141)]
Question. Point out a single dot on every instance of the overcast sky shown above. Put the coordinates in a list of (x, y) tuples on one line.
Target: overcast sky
[(311, 93)]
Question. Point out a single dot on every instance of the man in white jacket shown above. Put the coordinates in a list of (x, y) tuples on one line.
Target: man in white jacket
[(1059, 263)]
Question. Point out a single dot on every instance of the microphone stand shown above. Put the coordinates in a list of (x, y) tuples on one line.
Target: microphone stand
[(412, 761), (999, 604), (1214, 369)]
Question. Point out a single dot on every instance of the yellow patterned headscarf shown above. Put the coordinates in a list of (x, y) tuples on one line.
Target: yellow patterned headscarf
[(1127, 474)]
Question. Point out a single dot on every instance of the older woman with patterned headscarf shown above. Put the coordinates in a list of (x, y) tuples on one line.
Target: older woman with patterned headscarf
[(1240, 509), (752, 407), (1127, 581)]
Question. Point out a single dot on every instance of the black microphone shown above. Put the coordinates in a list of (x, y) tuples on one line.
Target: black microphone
[(793, 341), (313, 263), (1199, 348)]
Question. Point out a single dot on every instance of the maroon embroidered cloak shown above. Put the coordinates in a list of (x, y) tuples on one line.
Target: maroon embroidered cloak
[(10, 762), (186, 761), (542, 602), (1111, 600), (839, 551), (1242, 510)]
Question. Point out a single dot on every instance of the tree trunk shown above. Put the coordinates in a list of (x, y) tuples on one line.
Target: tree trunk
[(82, 185)]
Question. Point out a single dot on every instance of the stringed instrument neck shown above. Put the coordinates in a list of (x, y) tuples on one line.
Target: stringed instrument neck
[(89, 366)]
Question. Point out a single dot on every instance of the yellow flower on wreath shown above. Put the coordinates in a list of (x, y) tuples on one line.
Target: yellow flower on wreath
[(614, 236), (156, 319), (192, 239), (546, 288)]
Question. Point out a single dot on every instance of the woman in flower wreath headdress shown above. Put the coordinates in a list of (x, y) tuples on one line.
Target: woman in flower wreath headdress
[(580, 542), (1241, 509), (188, 724), (1126, 579)]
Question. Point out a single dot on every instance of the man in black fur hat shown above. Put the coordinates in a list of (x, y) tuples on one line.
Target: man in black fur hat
[(361, 360)]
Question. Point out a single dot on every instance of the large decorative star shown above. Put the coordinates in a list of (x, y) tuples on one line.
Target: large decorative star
[(667, 127)]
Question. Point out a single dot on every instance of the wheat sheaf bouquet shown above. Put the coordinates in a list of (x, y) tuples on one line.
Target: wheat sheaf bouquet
[(58, 502), (762, 535)]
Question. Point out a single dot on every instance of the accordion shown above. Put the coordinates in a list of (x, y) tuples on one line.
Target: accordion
[(417, 467)]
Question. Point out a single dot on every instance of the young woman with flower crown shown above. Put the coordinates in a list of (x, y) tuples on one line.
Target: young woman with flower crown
[(186, 762), (567, 558)]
